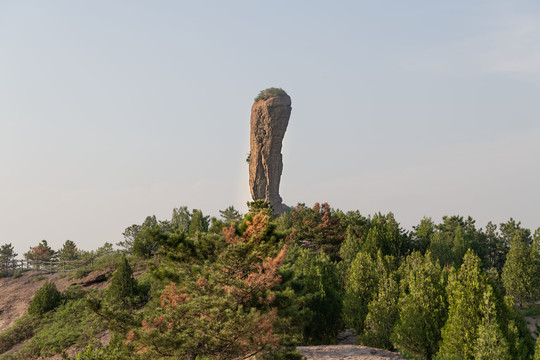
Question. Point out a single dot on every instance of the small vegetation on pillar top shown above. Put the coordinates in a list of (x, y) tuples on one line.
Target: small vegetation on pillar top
[(269, 93)]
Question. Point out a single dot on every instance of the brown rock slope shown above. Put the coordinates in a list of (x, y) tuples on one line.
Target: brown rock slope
[(269, 120), (16, 294)]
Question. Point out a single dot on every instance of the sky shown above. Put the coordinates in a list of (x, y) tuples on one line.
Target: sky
[(111, 111)]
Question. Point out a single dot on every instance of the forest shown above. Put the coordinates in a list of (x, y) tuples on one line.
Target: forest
[(258, 285)]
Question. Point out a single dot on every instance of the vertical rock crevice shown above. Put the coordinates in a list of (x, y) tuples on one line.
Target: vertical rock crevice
[(269, 119)]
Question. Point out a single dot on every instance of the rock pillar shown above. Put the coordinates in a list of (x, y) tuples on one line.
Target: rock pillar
[(269, 120)]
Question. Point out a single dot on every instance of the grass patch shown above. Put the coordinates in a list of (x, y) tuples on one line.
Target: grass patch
[(22, 330), (269, 93)]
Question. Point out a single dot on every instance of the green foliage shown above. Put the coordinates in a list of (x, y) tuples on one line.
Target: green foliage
[(465, 296), (68, 251), (130, 234), (361, 285), (230, 214), (319, 227), (199, 223), (145, 244), (42, 252), (7, 253), (71, 324), (218, 306), (537, 349), (382, 313), (24, 328), (491, 343), (423, 234), (269, 93), (422, 306), (521, 270), (181, 218), (17, 274), (46, 299), (256, 206), (385, 235), (123, 286), (309, 299)]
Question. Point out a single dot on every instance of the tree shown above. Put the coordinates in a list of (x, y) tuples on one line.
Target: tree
[(347, 252), (130, 234), (46, 299), (422, 306), (309, 300), (361, 285), (518, 274), (41, 252), (69, 251), (385, 235), (423, 233), (181, 218), (496, 248), (145, 244), (7, 253), (221, 310), (465, 296), (319, 227), (491, 343), (123, 286), (230, 214), (199, 223), (382, 314)]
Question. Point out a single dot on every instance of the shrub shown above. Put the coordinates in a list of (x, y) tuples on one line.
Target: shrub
[(123, 285), (269, 93), (17, 274), (46, 299)]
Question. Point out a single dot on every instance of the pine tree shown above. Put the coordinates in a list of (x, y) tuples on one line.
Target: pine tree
[(7, 253), (69, 251), (465, 296), (382, 314), (491, 344), (361, 285), (422, 308), (517, 275), (123, 286)]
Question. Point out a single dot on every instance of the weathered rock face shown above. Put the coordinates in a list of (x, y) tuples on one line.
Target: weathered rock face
[(269, 120)]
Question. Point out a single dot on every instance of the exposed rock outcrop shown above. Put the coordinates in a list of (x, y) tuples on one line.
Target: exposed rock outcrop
[(269, 119)]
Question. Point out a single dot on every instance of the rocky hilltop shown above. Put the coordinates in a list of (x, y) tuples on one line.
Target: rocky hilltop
[(269, 119)]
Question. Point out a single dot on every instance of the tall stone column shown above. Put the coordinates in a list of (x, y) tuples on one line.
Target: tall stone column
[(269, 119)]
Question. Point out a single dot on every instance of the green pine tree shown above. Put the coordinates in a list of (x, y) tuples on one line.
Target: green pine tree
[(123, 286), (361, 286), (465, 296), (422, 307), (517, 275), (491, 344), (382, 314)]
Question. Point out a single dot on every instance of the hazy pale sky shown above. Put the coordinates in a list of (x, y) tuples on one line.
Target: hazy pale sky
[(114, 110)]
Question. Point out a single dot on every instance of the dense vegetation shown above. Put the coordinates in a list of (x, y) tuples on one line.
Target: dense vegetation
[(256, 284)]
